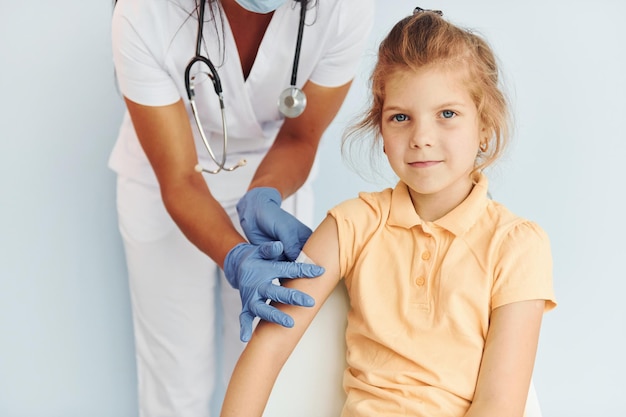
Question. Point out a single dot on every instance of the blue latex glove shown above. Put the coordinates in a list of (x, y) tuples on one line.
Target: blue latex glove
[(251, 269), (263, 220)]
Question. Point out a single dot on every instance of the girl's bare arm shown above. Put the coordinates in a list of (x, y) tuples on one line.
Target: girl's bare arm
[(508, 360), (268, 350)]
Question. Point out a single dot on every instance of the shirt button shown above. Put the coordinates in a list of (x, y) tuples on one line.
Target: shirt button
[(420, 281), (426, 255)]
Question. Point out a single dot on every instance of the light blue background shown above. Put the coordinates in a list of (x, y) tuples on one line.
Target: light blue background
[(65, 331)]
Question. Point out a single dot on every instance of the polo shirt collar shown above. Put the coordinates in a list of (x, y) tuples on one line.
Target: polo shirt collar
[(458, 221)]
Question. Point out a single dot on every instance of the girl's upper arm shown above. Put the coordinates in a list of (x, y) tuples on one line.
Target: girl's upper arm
[(271, 344), (323, 249), (508, 360)]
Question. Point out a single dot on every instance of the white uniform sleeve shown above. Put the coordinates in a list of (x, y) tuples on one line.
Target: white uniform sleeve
[(139, 69), (339, 64)]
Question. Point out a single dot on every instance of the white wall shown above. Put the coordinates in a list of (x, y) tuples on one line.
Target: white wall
[(65, 332)]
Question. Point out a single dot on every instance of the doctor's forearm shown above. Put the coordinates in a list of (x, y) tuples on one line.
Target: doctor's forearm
[(165, 135), (286, 166), (202, 219), (288, 163)]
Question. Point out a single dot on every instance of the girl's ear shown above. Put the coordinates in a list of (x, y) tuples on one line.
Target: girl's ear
[(486, 132)]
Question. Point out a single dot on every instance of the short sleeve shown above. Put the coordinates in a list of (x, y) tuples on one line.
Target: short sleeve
[(339, 64), (140, 72), (524, 269), (357, 220)]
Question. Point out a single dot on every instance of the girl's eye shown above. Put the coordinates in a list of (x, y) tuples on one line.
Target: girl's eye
[(448, 114), (400, 117)]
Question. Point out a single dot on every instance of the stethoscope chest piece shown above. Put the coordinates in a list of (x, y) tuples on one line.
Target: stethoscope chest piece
[(292, 102)]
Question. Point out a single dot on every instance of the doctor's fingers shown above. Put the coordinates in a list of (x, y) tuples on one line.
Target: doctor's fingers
[(284, 295), (265, 312), (272, 314), (271, 250), (246, 320), (297, 270)]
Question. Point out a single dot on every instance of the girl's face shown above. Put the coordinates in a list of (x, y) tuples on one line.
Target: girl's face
[(431, 132)]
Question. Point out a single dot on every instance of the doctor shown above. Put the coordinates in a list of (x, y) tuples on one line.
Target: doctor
[(182, 227)]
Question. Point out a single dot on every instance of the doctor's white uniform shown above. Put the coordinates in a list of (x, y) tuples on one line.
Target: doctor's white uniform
[(176, 291)]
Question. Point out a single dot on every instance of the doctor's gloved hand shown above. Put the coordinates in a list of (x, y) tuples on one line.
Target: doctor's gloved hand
[(263, 220), (252, 269)]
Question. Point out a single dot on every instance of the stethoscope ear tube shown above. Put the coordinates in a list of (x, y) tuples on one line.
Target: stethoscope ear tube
[(291, 103), (217, 85), (215, 78)]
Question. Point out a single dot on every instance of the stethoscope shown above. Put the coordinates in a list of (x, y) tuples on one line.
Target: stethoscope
[(291, 102)]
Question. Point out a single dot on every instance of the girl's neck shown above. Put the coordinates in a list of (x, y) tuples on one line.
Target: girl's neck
[(432, 207)]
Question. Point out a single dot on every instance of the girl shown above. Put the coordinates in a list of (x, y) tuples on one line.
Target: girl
[(447, 287)]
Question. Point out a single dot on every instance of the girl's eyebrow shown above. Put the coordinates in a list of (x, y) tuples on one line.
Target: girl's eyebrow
[(452, 104), (395, 107), (392, 108)]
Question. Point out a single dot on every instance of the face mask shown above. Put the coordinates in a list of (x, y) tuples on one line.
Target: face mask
[(261, 6)]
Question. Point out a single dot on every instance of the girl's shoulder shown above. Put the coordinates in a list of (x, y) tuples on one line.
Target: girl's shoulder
[(371, 203), (363, 215), (511, 229)]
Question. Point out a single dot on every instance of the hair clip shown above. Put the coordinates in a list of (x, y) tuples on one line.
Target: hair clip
[(420, 10)]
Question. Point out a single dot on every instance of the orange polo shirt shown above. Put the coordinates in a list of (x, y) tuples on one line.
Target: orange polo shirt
[(421, 294)]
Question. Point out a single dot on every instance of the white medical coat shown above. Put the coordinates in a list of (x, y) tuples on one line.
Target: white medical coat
[(153, 41)]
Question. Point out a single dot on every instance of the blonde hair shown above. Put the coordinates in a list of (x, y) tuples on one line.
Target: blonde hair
[(426, 39)]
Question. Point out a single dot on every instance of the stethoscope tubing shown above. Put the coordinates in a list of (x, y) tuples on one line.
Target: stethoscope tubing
[(297, 97), (296, 55)]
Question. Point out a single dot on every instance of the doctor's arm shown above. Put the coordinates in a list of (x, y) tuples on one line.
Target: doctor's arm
[(166, 137), (508, 360), (285, 168), (264, 356)]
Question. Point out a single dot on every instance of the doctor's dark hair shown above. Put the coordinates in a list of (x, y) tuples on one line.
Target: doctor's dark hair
[(423, 40)]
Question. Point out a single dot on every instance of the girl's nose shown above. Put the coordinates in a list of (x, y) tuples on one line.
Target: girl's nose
[(421, 136)]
